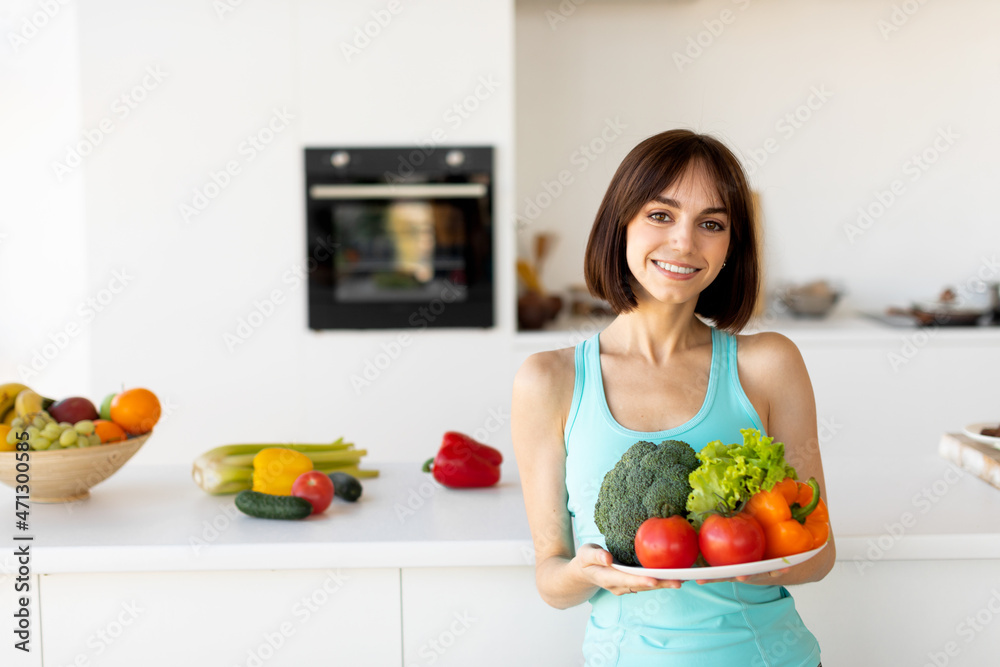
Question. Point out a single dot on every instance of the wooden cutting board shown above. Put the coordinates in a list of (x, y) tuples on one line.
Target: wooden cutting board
[(980, 459)]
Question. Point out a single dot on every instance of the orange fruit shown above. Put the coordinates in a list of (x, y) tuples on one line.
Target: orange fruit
[(109, 431), (135, 410), (4, 445)]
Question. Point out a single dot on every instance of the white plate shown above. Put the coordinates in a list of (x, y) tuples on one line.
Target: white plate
[(974, 431), (721, 572)]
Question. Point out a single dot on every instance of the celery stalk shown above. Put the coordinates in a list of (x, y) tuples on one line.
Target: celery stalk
[(350, 470)]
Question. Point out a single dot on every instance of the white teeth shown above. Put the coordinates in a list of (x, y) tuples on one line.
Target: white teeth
[(675, 269)]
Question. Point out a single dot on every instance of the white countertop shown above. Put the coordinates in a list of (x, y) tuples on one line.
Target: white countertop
[(945, 513), (148, 518), (154, 518)]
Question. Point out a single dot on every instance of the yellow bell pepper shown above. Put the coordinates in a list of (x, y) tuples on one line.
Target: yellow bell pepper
[(276, 468)]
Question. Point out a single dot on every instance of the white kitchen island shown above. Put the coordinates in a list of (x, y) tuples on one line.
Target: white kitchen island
[(150, 570)]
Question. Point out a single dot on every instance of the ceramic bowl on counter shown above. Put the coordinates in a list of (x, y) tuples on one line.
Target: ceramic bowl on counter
[(815, 299)]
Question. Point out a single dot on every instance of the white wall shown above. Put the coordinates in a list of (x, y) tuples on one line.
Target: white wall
[(199, 82), (44, 251), (220, 78), (891, 93)]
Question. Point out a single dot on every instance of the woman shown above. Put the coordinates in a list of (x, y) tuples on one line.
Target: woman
[(674, 243)]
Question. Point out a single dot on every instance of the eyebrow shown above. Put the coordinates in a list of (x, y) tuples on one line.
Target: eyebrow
[(667, 201)]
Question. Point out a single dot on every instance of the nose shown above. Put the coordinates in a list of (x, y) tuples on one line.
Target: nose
[(681, 238)]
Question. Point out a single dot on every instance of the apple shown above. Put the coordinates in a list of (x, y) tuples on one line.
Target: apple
[(106, 406), (73, 409)]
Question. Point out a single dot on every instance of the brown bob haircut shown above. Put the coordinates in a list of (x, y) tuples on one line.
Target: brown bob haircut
[(649, 169)]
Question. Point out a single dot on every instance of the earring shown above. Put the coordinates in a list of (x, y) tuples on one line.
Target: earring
[(723, 265)]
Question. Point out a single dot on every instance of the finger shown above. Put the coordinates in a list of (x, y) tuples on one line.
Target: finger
[(714, 581), (601, 558), (593, 554)]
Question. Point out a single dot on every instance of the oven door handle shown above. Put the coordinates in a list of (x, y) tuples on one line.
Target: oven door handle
[(399, 191)]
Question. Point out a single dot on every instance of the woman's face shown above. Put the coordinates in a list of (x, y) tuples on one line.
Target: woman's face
[(676, 245)]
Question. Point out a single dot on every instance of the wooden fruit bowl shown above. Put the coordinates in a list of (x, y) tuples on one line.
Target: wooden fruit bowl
[(63, 475)]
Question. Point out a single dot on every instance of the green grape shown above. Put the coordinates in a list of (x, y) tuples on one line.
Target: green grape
[(65, 425), (68, 438), (94, 439), (17, 424), (39, 422), (12, 437), (33, 432), (40, 443), (51, 431), (84, 427)]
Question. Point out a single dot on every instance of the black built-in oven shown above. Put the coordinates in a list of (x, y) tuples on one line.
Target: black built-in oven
[(400, 237)]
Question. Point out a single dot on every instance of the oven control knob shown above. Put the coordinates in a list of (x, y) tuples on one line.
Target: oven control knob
[(340, 158), (454, 158)]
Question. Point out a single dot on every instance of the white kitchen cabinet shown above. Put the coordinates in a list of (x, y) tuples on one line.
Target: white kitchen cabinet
[(906, 612), (9, 605), (246, 619), (485, 616)]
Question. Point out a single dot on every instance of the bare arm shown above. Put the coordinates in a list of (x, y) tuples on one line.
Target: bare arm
[(542, 389), (777, 381)]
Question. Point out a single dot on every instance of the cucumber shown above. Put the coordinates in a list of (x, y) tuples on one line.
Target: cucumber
[(267, 506), (345, 486)]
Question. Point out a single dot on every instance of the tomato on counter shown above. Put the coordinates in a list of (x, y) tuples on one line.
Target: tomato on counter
[(316, 487)]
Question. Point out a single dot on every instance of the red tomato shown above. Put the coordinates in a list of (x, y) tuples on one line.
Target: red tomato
[(316, 487), (731, 540), (666, 543)]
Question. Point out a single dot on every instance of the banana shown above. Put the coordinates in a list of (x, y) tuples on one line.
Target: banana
[(28, 402), (8, 394)]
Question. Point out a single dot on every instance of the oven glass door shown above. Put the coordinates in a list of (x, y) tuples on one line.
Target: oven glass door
[(399, 247)]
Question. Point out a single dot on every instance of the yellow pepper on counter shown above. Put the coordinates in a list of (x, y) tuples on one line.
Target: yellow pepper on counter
[(276, 468)]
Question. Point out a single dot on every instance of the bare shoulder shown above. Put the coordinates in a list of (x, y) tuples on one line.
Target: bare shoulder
[(773, 376), (547, 377), (768, 353), (542, 396)]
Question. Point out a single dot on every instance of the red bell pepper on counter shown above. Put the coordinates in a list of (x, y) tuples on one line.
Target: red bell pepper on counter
[(463, 463)]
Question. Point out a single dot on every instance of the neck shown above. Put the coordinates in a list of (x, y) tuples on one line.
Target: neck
[(658, 331)]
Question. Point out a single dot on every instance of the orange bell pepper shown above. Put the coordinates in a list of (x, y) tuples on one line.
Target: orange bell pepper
[(818, 521), (792, 521)]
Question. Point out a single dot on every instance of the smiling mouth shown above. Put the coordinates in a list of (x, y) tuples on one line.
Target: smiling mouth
[(674, 268)]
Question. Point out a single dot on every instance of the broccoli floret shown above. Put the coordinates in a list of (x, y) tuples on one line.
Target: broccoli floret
[(648, 481)]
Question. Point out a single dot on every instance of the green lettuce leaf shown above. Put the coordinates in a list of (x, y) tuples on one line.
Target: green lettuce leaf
[(730, 474)]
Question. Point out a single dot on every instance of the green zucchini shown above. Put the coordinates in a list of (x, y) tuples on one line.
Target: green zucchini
[(345, 486), (268, 506)]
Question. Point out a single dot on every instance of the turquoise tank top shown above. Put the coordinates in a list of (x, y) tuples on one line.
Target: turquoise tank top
[(718, 625)]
